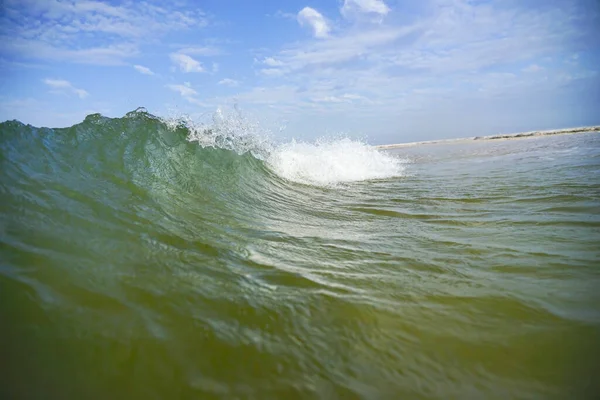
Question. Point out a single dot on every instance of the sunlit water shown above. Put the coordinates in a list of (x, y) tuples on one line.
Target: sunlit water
[(137, 261)]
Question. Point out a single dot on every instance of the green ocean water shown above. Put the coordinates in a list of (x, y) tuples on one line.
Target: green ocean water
[(144, 259)]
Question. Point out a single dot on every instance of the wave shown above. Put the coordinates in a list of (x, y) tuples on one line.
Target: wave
[(326, 162), (222, 250), (150, 190), (174, 171)]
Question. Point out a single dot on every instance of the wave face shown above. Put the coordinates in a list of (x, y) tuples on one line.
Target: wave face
[(144, 257)]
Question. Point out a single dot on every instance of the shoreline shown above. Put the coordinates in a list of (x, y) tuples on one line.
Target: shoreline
[(510, 136)]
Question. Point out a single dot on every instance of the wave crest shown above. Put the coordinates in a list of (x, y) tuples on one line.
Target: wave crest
[(326, 162)]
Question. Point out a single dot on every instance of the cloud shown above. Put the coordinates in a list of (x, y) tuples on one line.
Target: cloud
[(89, 31), (188, 94), (352, 96), (62, 86), (335, 51), (328, 99), (143, 70), (459, 38), (353, 7), (283, 94), (229, 82), (97, 55), (283, 14), (345, 98), (533, 68), (271, 62), (441, 55), (272, 72), (312, 18), (184, 90), (186, 63), (205, 51)]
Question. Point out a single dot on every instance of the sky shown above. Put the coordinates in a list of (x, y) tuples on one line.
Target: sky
[(388, 71)]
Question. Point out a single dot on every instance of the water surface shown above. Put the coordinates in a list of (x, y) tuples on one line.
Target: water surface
[(138, 263)]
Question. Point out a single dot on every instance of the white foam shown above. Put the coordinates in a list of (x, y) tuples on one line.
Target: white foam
[(329, 162)]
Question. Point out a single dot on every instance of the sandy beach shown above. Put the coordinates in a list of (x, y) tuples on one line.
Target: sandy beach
[(509, 136)]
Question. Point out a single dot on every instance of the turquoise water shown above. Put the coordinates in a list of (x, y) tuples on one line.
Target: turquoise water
[(145, 259)]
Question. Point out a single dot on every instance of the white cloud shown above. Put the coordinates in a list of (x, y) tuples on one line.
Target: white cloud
[(188, 94), (436, 59), (458, 38), (337, 50), (97, 55), (314, 19), (283, 14), (533, 68), (328, 99), (229, 82), (284, 94), (345, 98), (186, 63), (271, 62), (272, 72), (143, 70), (205, 51), (353, 7), (215, 67), (184, 90), (89, 31), (61, 86), (352, 96)]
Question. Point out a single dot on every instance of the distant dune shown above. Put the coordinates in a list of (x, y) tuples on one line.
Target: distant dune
[(496, 137)]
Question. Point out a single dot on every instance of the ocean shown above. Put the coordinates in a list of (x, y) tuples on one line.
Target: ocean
[(145, 258)]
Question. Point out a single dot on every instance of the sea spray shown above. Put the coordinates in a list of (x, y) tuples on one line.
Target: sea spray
[(328, 161), (226, 129)]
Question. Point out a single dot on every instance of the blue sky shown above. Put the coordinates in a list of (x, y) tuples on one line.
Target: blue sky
[(388, 70)]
